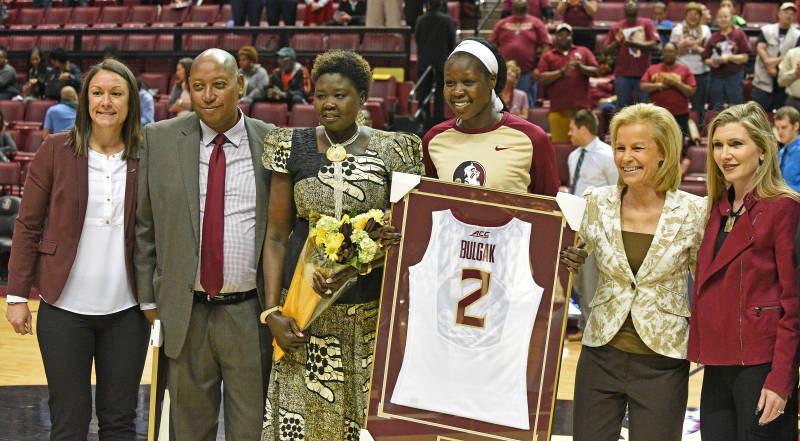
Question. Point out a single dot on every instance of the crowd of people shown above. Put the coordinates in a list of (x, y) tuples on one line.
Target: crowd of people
[(199, 221)]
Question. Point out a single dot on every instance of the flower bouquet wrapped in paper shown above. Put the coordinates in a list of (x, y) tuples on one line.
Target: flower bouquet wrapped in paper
[(332, 245)]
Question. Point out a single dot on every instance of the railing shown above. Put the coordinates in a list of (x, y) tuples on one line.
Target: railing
[(424, 104), (284, 34), (483, 21)]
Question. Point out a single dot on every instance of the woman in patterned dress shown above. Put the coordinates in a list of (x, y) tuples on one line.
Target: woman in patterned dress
[(318, 390)]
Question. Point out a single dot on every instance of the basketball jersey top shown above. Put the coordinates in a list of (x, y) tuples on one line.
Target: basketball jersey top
[(472, 304)]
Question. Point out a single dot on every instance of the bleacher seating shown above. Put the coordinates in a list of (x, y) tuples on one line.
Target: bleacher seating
[(303, 115), (275, 113)]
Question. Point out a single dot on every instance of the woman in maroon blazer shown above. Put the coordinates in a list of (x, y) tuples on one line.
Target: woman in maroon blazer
[(73, 241), (744, 322)]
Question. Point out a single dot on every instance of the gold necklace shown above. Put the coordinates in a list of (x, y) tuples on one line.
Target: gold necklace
[(337, 152)]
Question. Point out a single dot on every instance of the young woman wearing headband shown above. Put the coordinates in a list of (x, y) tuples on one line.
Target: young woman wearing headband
[(485, 144)]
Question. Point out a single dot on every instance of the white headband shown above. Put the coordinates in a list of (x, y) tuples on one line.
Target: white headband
[(486, 57)]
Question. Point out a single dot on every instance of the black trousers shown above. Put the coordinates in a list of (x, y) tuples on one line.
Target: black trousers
[(281, 8), (728, 406), (438, 97), (654, 388), (247, 10), (118, 345)]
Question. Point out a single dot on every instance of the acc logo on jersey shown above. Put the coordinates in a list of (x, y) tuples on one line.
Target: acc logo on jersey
[(479, 233), (470, 172)]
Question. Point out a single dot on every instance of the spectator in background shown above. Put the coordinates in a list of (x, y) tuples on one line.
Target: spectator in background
[(670, 86), (515, 99), (436, 38), (146, 104), (62, 73), (318, 12), (774, 42), (691, 36), (521, 37), (350, 13), (290, 83), (180, 101), (277, 9), (591, 164), (247, 11), (37, 74), (256, 77), (7, 143), (8, 78), (578, 13), (787, 123), (565, 71), (601, 87), (632, 40), (726, 53), (412, 9), (705, 15), (788, 75), (738, 22), (61, 117), (660, 18), (383, 13), (540, 9)]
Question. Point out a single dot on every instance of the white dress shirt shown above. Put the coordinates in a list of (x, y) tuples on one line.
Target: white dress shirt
[(239, 253), (98, 280), (598, 168)]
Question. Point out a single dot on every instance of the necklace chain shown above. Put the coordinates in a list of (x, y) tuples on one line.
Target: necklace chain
[(343, 144)]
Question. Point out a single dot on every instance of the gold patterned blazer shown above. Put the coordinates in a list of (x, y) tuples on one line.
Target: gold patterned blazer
[(657, 296)]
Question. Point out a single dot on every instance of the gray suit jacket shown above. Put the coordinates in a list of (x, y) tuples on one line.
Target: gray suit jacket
[(168, 219)]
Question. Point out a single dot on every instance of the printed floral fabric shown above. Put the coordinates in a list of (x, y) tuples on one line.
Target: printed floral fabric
[(657, 296)]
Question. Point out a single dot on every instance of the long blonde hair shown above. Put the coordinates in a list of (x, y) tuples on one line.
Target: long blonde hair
[(769, 182), (665, 133)]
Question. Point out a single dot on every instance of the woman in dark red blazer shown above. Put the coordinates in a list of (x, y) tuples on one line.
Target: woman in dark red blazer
[(73, 241), (744, 322)]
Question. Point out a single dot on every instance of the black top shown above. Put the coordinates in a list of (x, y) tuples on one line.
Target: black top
[(435, 35)]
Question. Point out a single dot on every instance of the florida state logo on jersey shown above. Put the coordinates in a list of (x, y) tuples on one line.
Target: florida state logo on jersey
[(470, 172)]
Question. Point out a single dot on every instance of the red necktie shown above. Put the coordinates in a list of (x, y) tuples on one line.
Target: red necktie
[(213, 221)]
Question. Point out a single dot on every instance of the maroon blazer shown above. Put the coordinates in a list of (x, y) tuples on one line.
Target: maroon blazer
[(744, 307), (50, 221)]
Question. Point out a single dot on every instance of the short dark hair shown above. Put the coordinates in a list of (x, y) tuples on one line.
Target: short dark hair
[(59, 54), (788, 112), (131, 128), (345, 63), (501, 63), (586, 118)]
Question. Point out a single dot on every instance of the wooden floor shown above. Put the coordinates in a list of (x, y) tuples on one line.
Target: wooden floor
[(21, 363)]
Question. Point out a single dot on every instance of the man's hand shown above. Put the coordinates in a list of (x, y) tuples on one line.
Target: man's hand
[(64, 76), (151, 314), (19, 315)]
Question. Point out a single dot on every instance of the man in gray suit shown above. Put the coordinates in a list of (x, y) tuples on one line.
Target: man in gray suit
[(200, 224)]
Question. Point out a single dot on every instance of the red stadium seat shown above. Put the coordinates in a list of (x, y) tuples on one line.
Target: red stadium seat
[(12, 16), (694, 187), (33, 141), (143, 13), (232, 42), (160, 111), (308, 42), (303, 115), (155, 81), (608, 13), (134, 25), (163, 24), (47, 26), (102, 41), (538, 116), (454, 11), (225, 13), (12, 110), (140, 42), (343, 41), (676, 11), (646, 9), (76, 26), (758, 14), (9, 175), (403, 91), (376, 110), (698, 157), (267, 42), (105, 25), (245, 108), (103, 3), (30, 16), (275, 113), (36, 110), (203, 13), (164, 42), (50, 42), (200, 42), (22, 42), (301, 13), (387, 91), (86, 14), (172, 15), (381, 43), (114, 14), (563, 149), (57, 16)]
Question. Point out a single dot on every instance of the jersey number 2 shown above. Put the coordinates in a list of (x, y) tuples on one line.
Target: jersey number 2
[(485, 277)]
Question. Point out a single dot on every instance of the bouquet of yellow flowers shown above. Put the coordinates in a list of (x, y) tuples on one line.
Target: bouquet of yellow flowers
[(332, 245)]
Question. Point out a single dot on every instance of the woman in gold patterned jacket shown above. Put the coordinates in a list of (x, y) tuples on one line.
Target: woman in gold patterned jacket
[(645, 234)]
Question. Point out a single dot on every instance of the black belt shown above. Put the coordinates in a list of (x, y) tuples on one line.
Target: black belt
[(227, 298)]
